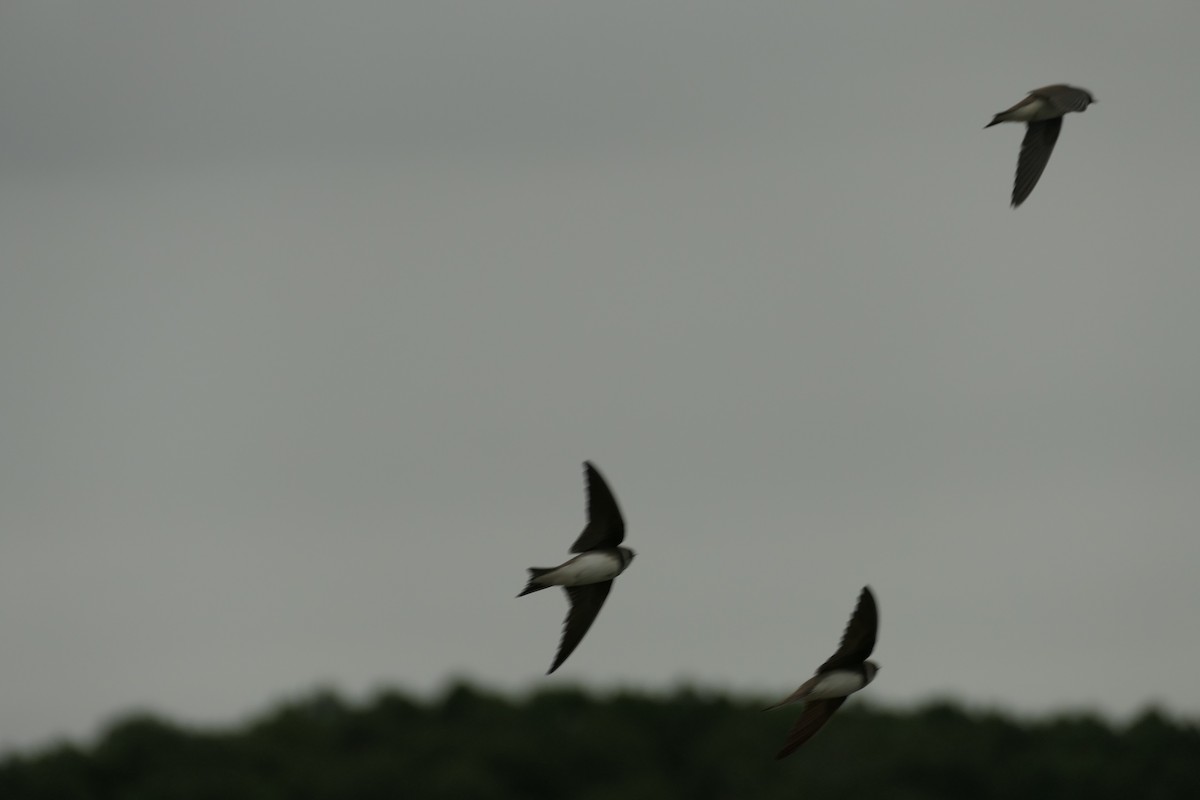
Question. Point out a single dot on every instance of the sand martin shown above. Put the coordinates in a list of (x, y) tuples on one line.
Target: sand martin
[(1042, 111), (587, 578), (844, 673)]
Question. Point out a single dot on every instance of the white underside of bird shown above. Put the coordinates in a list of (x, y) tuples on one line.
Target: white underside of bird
[(1034, 109), (585, 568), (836, 683)]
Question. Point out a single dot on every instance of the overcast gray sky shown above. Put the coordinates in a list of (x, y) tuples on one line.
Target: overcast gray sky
[(310, 312)]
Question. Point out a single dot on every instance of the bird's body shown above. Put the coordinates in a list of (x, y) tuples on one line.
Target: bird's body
[(1042, 112), (826, 685), (587, 578), (594, 566), (1028, 110), (844, 673)]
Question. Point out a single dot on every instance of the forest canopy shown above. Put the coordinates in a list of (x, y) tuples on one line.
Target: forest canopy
[(559, 744)]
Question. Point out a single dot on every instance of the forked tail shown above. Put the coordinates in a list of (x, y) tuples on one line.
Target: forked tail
[(533, 585)]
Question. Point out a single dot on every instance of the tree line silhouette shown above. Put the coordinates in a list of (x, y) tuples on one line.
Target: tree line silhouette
[(571, 744)]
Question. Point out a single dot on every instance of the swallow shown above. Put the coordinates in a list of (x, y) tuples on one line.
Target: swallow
[(588, 577), (1042, 112), (842, 675)]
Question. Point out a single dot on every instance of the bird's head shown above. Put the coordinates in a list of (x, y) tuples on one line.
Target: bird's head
[(869, 670), (626, 555)]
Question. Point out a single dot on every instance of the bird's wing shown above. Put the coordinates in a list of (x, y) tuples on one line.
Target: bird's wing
[(1064, 98), (1048, 92), (586, 602), (811, 720), (858, 640), (605, 527), (1036, 148)]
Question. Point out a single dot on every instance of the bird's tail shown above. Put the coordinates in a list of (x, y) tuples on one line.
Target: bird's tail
[(533, 585)]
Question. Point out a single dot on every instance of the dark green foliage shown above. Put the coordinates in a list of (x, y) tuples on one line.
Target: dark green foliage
[(571, 745)]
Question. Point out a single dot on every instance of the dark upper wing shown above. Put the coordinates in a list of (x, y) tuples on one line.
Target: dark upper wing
[(1064, 98), (812, 719), (605, 528), (586, 602), (1035, 154), (859, 638)]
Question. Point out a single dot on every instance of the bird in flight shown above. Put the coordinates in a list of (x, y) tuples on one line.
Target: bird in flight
[(1042, 112), (844, 673), (588, 577)]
